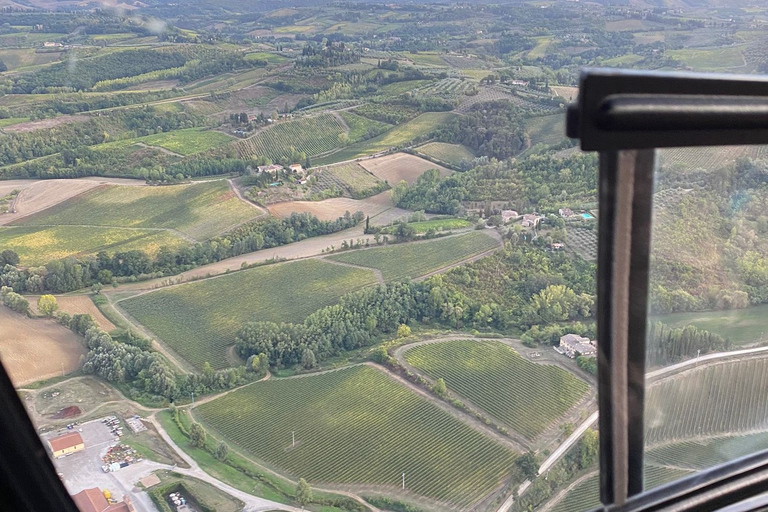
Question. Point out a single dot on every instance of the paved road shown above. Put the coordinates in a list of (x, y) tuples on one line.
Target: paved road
[(568, 443), (252, 503)]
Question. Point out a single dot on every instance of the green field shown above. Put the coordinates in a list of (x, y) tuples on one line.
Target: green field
[(525, 396), (360, 127), (586, 494), (418, 259), (200, 211), (397, 88), (702, 454), (427, 59), (439, 225), (272, 58), (546, 129), (453, 154), (8, 121), (200, 320), (39, 245), (187, 142), (738, 325), (714, 59), (397, 136), (358, 426), (725, 398)]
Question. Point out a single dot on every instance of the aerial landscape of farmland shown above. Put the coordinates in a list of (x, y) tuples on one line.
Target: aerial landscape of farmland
[(342, 257)]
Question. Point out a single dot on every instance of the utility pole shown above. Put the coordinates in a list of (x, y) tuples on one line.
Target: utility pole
[(403, 481), (193, 398), (293, 437)]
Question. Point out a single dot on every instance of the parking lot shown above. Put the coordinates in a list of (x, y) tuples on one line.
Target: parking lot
[(82, 470)]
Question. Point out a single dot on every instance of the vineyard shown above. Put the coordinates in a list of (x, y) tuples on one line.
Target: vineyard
[(711, 157), (310, 135), (720, 399), (586, 494), (357, 426), (200, 211), (583, 242), (418, 259), (448, 87), (199, 320), (349, 177), (527, 397), (452, 154), (701, 454)]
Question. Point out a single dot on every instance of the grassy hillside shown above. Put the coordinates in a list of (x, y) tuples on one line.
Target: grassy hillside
[(200, 320), (359, 427), (39, 245), (525, 396), (397, 136), (199, 211)]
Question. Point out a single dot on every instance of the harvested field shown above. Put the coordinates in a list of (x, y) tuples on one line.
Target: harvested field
[(44, 194), (85, 393), (379, 208), (453, 154), (401, 167), (75, 305), (33, 350), (569, 93), (31, 126)]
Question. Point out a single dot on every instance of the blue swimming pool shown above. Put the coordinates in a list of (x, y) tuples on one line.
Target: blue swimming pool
[(587, 215)]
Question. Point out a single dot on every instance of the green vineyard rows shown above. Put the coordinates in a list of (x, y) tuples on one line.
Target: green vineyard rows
[(701, 454), (720, 399), (311, 135), (200, 320), (415, 260), (586, 494), (358, 426), (528, 397)]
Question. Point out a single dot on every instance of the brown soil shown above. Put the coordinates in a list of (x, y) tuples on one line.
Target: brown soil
[(401, 167), (31, 126), (76, 304), (376, 206), (67, 412), (36, 349)]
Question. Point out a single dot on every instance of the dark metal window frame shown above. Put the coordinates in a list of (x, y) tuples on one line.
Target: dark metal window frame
[(625, 115)]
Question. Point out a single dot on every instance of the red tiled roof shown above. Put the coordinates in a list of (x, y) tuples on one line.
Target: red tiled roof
[(90, 500), (65, 441)]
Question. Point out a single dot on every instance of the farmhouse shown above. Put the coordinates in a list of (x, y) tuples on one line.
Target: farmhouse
[(573, 345), (93, 500), (272, 168), (66, 444), (297, 168), (530, 220), (566, 213), (508, 215)]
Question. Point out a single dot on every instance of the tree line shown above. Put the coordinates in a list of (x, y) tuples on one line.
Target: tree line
[(76, 273), (533, 287)]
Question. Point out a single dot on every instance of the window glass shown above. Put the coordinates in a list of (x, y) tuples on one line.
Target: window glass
[(705, 354)]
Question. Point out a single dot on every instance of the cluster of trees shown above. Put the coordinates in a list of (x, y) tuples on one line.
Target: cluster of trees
[(538, 182), (668, 345), (13, 300), (333, 54), (73, 273), (520, 286), (492, 128), (80, 75), (73, 139)]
